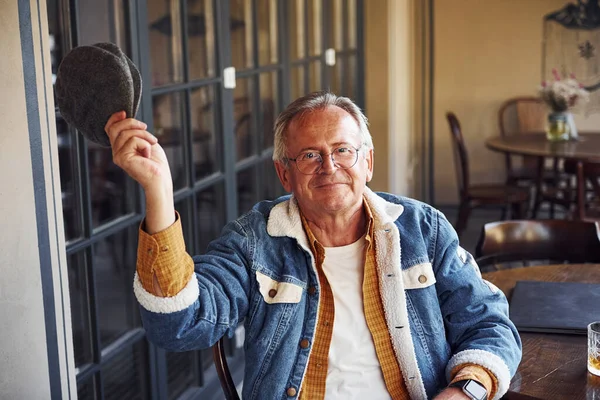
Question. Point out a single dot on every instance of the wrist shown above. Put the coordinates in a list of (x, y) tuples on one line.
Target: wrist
[(471, 388)]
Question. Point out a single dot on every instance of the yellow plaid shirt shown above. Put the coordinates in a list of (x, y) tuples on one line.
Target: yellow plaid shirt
[(164, 268)]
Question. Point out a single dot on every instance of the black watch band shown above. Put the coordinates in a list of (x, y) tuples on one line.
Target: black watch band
[(473, 389)]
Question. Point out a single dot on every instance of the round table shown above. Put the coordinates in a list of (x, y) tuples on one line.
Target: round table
[(554, 366), (536, 144)]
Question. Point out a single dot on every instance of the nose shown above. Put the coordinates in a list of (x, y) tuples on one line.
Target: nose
[(328, 165)]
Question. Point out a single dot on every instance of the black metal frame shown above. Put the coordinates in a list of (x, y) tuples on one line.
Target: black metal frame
[(83, 246)]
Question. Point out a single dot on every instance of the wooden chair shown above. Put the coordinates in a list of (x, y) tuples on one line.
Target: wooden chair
[(525, 115), (220, 360), (472, 196), (523, 241), (587, 200)]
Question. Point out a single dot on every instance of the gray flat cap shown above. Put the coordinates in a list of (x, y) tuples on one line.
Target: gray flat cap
[(94, 82)]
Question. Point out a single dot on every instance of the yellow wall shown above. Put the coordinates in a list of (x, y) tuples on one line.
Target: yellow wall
[(484, 52), (376, 87)]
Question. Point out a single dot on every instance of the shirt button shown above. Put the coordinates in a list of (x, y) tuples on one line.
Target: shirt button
[(312, 290), (422, 279), (304, 343), (291, 392), (149, 252), (272, 293)]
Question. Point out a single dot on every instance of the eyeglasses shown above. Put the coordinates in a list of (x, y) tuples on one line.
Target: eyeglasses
[(311, 162)]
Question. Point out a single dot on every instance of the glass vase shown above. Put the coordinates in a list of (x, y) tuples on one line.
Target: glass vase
[(558, 128)]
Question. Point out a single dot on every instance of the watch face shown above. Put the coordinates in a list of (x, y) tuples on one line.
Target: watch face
[(475, 390)]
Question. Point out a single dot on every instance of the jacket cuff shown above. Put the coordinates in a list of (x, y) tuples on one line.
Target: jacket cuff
[(165, 305), (492, 364), (163, 256), (476, 373)]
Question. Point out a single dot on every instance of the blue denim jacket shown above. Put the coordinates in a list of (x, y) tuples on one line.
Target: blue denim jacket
[(439, 310)]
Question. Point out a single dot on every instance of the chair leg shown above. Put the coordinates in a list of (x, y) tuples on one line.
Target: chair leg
[(463, 215)]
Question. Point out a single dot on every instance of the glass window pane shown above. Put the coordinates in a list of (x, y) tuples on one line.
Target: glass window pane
[(271, 185), (314, 76), (336, 75), (297, 32), (269, 103), (211, 214), (86, 390), (69, 182), (246, 189), (336, 26), (166, 51), (125, 376), (267, 31), (241, 34), (168, 116), (297, 83), (315, 15), (351, 39), (206, 149), (103, 21), (114, 266), (351, 78), (181, 372), (201, 39), (244, 116), (80, 308), (112, 191)]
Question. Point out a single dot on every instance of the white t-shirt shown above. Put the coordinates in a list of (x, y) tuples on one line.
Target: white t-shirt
[(353, 371)]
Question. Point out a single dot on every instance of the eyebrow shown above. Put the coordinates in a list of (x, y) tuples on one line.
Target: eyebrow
[(333, 146)]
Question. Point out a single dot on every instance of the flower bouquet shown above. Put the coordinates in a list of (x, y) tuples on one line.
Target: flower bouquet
[(561, 96)]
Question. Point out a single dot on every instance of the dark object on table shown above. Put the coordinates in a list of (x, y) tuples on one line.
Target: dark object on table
[(554, 307), (523, 241), (94, 82)]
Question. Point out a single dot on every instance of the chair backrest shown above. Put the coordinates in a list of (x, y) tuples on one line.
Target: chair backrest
[(586, 172), (223, 372), (533, 240), (461, 158), (523, 114)]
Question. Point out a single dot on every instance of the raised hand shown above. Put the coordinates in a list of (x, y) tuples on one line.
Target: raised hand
[(138, 153)]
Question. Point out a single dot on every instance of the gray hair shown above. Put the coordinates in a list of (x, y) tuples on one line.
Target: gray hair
[(312, 102)]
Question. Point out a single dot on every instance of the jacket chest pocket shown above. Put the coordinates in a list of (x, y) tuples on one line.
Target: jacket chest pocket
[(274, 292)]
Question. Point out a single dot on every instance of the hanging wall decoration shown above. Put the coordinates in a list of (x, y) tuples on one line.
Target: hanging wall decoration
[(571, 46)]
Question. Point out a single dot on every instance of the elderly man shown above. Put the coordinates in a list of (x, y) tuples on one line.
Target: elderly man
[(344, 293)]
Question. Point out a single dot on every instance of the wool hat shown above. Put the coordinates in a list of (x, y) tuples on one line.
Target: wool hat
[(94, 82)]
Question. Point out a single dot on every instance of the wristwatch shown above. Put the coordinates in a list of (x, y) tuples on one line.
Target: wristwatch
[(473, 389)]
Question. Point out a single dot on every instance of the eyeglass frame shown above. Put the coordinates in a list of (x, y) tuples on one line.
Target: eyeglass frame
[(322, 156)]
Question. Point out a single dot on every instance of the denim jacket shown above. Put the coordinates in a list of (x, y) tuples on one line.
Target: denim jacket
[(439, 310)]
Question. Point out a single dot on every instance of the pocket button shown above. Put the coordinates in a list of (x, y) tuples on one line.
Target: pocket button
[(422, 279), (272, 293)]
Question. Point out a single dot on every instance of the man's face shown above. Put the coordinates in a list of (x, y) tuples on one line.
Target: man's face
[(331, 189)]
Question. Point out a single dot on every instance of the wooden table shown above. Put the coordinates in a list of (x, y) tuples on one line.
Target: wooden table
[(554, 366), (587, 147), (536, 144)]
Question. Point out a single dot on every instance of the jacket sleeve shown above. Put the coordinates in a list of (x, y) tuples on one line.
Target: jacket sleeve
[(475, 312), (213, 302)]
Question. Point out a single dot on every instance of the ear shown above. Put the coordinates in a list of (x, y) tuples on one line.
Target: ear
[(284, 175), (369, 161)]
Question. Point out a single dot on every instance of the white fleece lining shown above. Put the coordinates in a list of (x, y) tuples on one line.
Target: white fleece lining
[(165, 305), (284, 292), (413, 276), (488, 360), (387, 252)]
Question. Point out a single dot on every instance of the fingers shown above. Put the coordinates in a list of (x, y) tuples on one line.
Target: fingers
[(117, 123), (124, 136)]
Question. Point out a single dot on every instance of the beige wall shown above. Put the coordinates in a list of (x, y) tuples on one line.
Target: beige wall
[(484, 52)]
